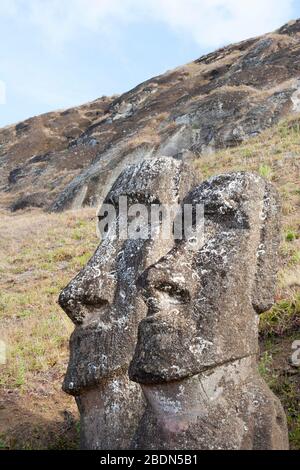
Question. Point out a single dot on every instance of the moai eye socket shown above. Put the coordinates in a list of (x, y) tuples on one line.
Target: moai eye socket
[(174, 292)]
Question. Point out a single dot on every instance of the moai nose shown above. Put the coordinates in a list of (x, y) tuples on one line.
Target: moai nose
[(87, 294)]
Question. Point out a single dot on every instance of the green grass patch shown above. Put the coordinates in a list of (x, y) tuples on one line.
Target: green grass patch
[(265, 171), (283, 317)]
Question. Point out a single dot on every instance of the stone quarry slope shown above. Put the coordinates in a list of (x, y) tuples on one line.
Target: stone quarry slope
[(69, 159)]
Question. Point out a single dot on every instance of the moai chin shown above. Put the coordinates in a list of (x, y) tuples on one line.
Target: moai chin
[(102, 302), (196, 353)]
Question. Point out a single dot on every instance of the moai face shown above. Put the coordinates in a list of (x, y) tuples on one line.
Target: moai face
[(203, 305), (102, 299)]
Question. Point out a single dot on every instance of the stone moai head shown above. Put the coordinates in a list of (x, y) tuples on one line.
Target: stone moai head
[(203, 304), (103, 304), (197, 347)]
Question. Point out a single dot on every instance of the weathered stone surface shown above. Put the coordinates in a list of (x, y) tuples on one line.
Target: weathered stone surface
[(228, 407), (196, 349), (216, 101), (102, 302), (110, 412)]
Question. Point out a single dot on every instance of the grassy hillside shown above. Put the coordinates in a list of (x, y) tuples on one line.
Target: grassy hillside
[(40, 252), (62, 158)]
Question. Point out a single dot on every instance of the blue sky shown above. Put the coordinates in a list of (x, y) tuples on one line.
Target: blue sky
[(60, 53)]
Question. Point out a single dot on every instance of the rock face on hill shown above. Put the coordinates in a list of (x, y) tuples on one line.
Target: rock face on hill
[(68, 159)]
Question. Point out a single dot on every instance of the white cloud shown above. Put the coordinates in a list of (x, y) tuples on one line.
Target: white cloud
[(210, 23), (8, 8), (215, 22)]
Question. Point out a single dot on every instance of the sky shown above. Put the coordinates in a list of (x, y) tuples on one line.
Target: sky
[(56, 54)]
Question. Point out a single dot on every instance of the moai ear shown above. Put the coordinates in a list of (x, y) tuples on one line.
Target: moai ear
[(267, 254)]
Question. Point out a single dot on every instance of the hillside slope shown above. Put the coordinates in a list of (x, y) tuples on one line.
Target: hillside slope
[(69, 159)]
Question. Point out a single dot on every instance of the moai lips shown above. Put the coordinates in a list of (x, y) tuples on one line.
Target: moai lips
[(196, 350)]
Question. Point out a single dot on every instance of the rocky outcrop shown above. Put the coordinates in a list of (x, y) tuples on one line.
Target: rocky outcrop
[(35, 154), (216, 101)]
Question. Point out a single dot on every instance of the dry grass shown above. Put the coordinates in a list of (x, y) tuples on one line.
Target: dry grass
[(146, 136), (39, 254)]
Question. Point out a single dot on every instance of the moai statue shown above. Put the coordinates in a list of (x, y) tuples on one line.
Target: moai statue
[(196, 354), (102, 302)]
